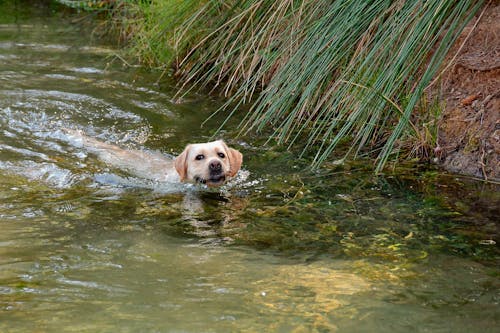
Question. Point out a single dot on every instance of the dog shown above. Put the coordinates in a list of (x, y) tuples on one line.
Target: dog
[(211, 163)]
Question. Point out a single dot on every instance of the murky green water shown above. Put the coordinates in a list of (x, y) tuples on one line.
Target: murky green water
[(85, 247)]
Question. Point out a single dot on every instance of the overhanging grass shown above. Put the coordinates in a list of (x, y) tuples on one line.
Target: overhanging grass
[(328, 69), (315, 71)]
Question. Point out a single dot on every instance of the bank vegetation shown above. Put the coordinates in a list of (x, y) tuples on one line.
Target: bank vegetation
[(320, 74)]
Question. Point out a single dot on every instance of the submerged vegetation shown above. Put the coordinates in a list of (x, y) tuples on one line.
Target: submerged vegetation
[(318, 72)]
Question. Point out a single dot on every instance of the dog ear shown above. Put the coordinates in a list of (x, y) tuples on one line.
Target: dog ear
[(181, 163), (235, 160)]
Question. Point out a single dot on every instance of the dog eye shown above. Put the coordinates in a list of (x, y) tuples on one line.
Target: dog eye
[(221, 155), (200, 157)]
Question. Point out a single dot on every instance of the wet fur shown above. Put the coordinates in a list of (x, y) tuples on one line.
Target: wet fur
[(191, 169)]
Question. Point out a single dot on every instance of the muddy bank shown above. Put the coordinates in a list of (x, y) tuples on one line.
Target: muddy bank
[(469, 131)]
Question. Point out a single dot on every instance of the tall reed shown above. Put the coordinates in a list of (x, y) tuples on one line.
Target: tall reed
[(318, 72), (326, 70)]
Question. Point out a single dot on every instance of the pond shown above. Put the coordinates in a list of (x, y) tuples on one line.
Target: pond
[(87, 247)]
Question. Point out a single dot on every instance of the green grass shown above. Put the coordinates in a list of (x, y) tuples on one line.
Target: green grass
[(316, 72), (156, 40), (329, 69)]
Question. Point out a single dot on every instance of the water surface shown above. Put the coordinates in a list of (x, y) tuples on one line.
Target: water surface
[(86, 247)]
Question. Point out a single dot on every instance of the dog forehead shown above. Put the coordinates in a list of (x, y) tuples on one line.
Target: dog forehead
[(208, 147)]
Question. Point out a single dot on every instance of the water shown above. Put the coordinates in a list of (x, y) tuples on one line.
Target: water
[(86, 247)]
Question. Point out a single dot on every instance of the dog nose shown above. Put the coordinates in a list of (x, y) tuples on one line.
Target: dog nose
[(215, 166)]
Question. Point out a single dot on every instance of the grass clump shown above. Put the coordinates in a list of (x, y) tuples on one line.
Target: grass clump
[(326, 70), (315, 71), (157, 41)]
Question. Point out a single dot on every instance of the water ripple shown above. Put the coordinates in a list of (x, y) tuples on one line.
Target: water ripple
[(45, 172)]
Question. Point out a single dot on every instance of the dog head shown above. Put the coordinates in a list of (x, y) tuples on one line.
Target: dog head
[(210, 163)]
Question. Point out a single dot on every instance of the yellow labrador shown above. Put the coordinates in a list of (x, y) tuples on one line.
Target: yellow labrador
[(212, 163)]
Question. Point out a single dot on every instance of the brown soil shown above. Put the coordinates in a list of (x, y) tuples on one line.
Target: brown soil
[(469, 130)]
